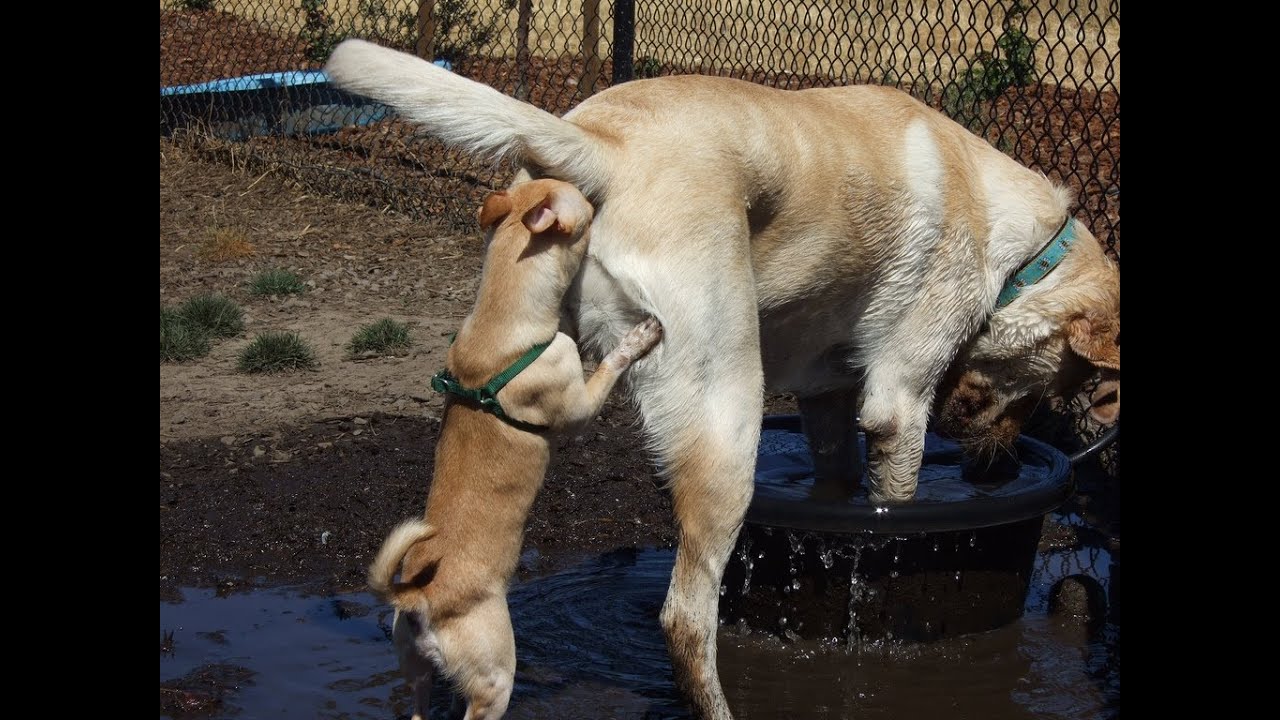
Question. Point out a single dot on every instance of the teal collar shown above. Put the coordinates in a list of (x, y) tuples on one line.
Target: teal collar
[(1039, 266), (486, 396)]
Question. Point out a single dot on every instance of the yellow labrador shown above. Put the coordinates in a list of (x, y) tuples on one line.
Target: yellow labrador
[(849, 245)]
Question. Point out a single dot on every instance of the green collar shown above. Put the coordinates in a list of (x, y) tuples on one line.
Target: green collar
[(487, 395), (1039, 266)]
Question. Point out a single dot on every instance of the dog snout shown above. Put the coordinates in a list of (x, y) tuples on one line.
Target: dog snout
[(964, 408), (1005, 430)]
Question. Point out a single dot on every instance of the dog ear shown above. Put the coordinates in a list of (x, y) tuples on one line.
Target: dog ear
[(496, 207), (1104, 404), (1098, 341), (564, 213)]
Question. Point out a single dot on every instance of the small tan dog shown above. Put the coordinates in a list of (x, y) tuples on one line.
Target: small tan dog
[(451, 601)]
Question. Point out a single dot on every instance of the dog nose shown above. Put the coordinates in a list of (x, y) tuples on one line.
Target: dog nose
[(973, 396)]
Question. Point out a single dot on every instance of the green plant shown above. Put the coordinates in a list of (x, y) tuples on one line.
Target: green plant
[(318, 33), (988, 75), (214, 315), (382, 337), (273, 352), (276, 282), (981, 82), (178, 340), (1019, 54), (195, 4), (1004, 143), (647, 67), (386, 26), (460, 31)]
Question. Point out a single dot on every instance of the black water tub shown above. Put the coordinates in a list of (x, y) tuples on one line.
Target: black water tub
[(956, 560)]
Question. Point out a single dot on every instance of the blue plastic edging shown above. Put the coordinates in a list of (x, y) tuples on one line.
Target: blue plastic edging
[(291, 102), (262, 81)]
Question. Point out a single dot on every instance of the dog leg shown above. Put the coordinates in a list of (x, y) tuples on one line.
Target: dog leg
[(422, 697), (701, 401), (480, 649), (899, 386), (894, 413), (419, 671), (831, 429), (633, 346), (711, 487)]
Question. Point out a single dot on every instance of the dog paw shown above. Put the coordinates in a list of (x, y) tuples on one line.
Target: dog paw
[(641, 339), (881, 491)]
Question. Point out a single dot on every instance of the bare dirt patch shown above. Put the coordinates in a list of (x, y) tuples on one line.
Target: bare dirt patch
[(360, 265)]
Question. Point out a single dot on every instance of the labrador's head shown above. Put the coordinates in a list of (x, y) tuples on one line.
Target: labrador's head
[(1048, 342)]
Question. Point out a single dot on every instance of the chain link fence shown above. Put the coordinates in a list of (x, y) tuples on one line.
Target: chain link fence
[(1038, 79)]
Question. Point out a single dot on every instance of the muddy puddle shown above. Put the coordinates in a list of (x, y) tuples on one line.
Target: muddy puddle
[(589, 646)]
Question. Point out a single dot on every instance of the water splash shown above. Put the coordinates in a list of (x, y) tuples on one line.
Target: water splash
[(797, 547), (747, 564), (825, 554), (853, 636)]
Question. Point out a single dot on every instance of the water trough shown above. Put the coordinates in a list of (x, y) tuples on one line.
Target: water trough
[(957, 560)]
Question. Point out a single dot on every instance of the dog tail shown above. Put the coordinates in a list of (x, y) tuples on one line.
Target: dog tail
[(469, 115), (383, 570)]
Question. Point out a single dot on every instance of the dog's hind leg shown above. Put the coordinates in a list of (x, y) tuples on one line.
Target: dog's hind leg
[(701, 400), (711, 467)]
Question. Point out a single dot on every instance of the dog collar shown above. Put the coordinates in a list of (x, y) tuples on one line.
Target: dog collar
[(486, 396), (1039, 266)]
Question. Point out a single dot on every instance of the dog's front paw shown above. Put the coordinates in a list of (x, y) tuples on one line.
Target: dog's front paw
[(878, 498), (891, 479), (641, 339)]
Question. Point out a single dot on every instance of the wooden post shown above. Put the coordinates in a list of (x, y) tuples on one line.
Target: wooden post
[(590, 48), (522, 49), (426, 47)]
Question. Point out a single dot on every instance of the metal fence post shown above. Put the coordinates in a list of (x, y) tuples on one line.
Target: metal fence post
[(522, 49), (624, 40)]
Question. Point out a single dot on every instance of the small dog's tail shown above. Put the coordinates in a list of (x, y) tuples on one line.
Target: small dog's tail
[(383, 570), (469, 115)]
